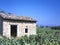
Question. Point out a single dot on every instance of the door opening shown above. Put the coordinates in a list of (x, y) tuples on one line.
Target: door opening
[(13, 30)]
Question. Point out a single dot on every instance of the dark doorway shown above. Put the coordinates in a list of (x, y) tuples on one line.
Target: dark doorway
[(13, 30)]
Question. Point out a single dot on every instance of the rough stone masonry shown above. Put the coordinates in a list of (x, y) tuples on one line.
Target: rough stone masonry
[(16, 26)]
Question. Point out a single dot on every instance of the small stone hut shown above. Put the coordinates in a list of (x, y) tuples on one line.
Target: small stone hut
[(16, 26)]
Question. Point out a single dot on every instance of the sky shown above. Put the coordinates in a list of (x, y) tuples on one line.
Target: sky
[(46, 12)]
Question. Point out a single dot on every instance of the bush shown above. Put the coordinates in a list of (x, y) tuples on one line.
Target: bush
[(43, 37)]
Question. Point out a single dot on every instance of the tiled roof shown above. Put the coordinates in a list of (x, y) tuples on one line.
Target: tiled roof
[(14, 17)]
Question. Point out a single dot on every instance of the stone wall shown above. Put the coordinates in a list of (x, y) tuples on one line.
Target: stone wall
[(20, 28)]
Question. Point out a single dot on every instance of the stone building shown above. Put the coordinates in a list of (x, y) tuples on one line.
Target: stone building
[(16, 26)]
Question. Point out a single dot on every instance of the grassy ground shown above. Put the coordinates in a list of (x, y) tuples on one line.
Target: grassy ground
[(48, 30), (45, 36)]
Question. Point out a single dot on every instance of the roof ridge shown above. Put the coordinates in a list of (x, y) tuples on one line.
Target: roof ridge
[(15, 17)]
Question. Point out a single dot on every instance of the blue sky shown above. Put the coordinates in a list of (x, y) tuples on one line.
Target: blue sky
[(46, 12)]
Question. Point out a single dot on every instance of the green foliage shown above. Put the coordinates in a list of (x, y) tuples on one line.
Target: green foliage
[(55, 27), (32, 40), (45, 36), (41, 26)]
